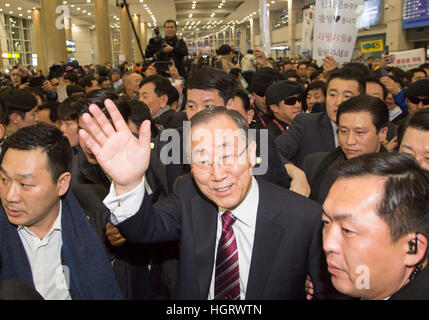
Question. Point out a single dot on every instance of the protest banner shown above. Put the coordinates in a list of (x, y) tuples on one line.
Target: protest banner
[(307, 32), (407, 60), (336, 24)]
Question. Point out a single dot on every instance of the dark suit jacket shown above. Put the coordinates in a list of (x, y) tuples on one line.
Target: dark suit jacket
[(85, 173), (171, 119), (13, 289), (312, 163), (309, 133), (417, 289), (287, 244), (319, 169)]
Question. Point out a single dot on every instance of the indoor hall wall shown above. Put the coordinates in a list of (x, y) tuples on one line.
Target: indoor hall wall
[(82, 35)]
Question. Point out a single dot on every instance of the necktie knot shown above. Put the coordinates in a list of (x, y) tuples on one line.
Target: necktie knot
[(228, 220)]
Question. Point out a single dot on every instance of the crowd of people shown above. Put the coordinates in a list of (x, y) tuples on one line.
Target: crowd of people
[(222, 176)]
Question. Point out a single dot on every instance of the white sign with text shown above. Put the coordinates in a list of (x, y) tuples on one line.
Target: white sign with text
[(336, 25)]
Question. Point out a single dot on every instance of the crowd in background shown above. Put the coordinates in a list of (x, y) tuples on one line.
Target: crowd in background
[(317, 116)]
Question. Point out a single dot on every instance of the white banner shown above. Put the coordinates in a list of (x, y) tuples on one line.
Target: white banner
[(336, 24), (407, 60), (307, 32)]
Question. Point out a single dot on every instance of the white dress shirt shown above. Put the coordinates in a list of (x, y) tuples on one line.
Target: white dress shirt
[(244, 231), (127, 205), (44, 257)]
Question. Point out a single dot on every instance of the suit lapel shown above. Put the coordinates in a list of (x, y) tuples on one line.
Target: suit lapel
[(268, 235), (327, 132), (204, 221)]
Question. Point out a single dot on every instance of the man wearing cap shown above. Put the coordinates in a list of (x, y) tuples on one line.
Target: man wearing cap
[(115, 74), (261, 80), (417, 96), (283, 100)]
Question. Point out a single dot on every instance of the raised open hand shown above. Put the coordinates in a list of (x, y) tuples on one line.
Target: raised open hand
[(123, 157)]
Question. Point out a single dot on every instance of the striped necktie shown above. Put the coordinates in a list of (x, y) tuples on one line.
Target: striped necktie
[(227, 281)]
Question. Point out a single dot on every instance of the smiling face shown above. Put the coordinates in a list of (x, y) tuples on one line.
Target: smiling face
[(28, 194), (222, 171), (358, 243), (154, 102)]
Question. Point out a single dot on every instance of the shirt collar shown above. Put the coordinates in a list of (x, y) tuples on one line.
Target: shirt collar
[(246, 212), (161, 111), (55, 227)]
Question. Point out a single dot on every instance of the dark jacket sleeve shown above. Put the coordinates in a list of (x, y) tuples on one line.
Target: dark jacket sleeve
[(155, 223), (317, 267), (289, 142), (400, 101)]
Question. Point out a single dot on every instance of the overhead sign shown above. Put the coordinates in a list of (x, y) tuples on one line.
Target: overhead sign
[(336, 25), (71, 46), (372, 46), (11, 55), (415, 14)]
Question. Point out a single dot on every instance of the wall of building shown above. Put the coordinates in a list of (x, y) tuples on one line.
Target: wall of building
[(86, 43)]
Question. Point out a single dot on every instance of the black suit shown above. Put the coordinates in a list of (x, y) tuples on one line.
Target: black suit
[(287, 244), (88, 174), (320, 171), (171, 119), (309, 133), (417, 289)]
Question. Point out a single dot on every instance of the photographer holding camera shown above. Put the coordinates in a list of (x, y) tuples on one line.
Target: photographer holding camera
[(168, 48)]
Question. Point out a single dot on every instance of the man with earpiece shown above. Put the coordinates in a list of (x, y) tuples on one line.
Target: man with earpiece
[(376, 228)]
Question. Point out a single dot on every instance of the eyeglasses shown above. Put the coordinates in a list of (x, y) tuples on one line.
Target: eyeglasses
[(417, 100), (292, 100), (226, 161)]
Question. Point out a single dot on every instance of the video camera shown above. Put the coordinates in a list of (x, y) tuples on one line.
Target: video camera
[(158, 41)]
